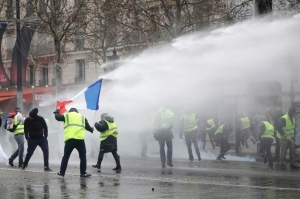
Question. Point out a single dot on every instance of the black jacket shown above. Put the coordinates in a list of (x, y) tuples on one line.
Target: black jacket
[(110, 143), (102, 126), (28, 128)]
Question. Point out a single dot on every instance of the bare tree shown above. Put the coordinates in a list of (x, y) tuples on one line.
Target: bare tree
[(60, 20), (168, 19), (286, 7), (2, 6), (109, 28)]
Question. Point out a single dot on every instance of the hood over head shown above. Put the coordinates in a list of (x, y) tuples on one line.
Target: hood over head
[(33, 113), (107, 118)]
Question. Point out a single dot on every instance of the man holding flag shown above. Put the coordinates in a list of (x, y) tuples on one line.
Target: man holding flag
[(75, 125)]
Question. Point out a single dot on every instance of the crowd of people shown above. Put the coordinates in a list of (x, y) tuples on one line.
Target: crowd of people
[(262, 128), (36, 130)]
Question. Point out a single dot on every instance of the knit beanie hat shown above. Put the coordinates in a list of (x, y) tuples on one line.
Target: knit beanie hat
[(33, 113)]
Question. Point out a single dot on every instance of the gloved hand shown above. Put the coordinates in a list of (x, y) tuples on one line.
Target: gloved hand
[(56, 111), (92, 130)]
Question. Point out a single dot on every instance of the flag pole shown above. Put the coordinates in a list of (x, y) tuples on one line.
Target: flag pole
[(95, 117)]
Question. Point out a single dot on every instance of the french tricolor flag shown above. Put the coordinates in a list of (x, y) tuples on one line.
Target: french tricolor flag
[(91, 95)]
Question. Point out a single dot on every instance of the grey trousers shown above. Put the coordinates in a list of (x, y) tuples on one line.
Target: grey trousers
[(20, 151)]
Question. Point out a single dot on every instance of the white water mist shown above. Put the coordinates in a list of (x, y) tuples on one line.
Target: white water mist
[(192, 71)]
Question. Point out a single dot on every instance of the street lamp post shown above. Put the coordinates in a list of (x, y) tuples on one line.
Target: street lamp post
[(33, 96), (19, 69)]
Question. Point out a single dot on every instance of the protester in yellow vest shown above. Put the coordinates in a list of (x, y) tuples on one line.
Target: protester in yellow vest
[(286, 134), (245, 130), (162, 125), (273, 116), (266, 130), (221, 136), (189, 127), (75, 125), (19, 119), (108, 140), (210, 130)]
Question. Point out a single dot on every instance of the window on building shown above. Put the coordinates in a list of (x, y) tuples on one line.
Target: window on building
[(135, 36), (44, 76), (43, 6), (111, 38), (153, 28), (264, 6), (80, 71), (10, 39), (77, 3), (31, 76), (172, 11), (79, 43), (56, 4), (9, 12), (43, 40), (29, 8), (10, 42)]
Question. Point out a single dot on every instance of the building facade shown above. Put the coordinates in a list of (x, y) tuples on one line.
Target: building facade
[(82, 62)]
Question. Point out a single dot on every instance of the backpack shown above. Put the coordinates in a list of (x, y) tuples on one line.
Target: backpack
[(9, 122)]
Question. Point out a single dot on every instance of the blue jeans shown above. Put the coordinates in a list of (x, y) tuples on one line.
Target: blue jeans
[(162, 150), (32, 144), (19, 152)]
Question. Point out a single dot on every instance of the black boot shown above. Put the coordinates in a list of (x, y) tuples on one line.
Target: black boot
[(223, 157), (117, 160), (96, 166), (219, 157), (100, 158), (11, 162)]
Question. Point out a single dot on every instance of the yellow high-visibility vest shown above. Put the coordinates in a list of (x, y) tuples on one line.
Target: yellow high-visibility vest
[(245, 123), (74, 126), (289, 127), (220, 129), (190, 122), (211, 123), (269, 132), (20, 127), (112, 130), (163, 119)]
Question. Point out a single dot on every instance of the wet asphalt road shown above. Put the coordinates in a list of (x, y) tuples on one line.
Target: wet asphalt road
[(144, 178)]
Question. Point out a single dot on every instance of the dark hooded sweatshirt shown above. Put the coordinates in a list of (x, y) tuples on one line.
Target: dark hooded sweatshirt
[(29, 126)]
